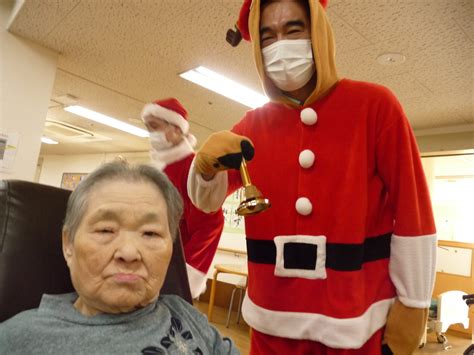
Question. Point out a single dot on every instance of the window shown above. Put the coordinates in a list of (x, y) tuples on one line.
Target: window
[(451, 183)]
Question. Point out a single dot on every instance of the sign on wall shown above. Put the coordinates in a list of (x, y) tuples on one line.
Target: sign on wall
[(233, 223), (69, 181), (8, 147)]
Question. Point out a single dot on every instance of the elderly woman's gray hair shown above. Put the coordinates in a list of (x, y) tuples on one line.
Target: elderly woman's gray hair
[(119, 170)]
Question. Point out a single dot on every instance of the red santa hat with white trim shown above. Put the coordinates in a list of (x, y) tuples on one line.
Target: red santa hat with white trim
[(172, 111)]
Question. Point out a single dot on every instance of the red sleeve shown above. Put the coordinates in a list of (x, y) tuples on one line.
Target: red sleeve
[(205, 231), (412, 265), (399, 166)]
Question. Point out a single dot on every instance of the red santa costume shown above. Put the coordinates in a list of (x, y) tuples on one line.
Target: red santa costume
[(350, 228), (200, 232)]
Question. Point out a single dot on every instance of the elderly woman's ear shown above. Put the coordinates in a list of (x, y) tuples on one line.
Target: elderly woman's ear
[(67, 247)]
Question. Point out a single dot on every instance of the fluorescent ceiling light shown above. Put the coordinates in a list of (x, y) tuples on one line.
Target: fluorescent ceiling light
[(106, 120), (224, 86), (47, 140)]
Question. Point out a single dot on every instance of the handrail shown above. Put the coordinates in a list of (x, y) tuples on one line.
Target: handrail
[(230, 250)]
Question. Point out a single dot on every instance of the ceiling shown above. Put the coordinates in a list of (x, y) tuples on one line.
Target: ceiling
[(117, 55)]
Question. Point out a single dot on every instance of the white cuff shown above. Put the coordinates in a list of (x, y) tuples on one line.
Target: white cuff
[(413, 268), (208, 196), (197, 281)]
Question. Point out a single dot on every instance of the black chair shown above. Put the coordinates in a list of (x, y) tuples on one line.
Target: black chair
[(31, 259)]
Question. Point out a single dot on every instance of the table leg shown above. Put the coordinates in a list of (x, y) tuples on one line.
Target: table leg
[(212, 296)]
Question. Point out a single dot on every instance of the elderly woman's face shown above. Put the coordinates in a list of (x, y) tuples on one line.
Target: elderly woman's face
[(122, 248)]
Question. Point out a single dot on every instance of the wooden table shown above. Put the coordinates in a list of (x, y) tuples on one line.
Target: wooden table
[(225, 269)]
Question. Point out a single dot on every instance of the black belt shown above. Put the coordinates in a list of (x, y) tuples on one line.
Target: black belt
[(340, 257)]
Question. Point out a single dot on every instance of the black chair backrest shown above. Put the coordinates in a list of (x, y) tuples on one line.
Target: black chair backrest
[(31, 259)]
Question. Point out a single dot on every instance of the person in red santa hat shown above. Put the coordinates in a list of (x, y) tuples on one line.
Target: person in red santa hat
[(172, 152), (344, 260)]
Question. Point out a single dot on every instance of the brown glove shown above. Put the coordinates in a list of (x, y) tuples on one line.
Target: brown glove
[(404, 329), (221, 151)]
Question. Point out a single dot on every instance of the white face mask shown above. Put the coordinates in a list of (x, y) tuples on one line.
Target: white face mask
[(289, 63), (158, 141)]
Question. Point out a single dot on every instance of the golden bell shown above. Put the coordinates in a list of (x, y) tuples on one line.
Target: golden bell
[(251, 201)]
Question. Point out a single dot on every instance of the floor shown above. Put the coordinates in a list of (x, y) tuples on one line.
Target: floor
[(433, 347), (239, 333)]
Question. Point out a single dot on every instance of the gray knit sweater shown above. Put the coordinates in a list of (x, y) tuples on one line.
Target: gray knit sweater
[(168, 326)]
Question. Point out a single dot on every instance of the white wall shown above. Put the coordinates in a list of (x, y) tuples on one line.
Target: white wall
[(27, 73), (52, 167)]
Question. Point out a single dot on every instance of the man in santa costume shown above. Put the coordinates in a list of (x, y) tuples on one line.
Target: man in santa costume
[(344, 260), (172, 152)]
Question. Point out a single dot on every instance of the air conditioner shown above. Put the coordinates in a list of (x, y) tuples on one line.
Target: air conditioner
[(68, 133)]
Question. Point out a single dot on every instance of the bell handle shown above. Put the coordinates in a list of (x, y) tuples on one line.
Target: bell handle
[(244, 174)]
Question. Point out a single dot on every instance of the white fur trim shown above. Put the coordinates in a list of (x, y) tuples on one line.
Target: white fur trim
[(337, 333), (197, 281), (413, 268), (320, 270), (165, 114), (162, 158), (208, 196)]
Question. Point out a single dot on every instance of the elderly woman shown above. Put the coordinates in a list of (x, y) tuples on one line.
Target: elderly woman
[(117, 241)]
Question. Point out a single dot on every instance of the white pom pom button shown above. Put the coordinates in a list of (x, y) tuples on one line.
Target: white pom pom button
[(303, 206), (308, 116), (306, 158)]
